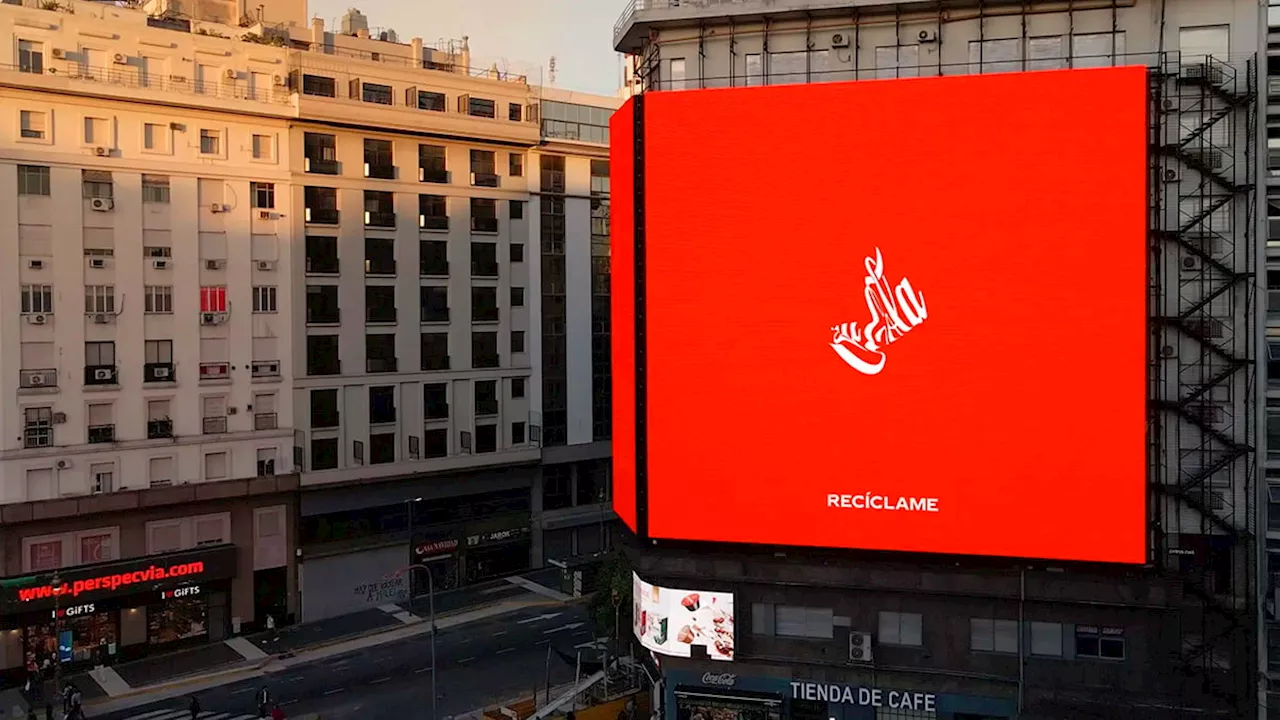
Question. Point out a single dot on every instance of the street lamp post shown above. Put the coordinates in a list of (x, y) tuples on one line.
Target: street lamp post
[(415, 562), (57, 636)]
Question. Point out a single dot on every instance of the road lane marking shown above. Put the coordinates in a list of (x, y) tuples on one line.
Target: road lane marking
[(465, 660), (570, 626), (379, 680), (241, 692), (419, 671), (287, 702), (506, 650), (335, 691), (500, 632)]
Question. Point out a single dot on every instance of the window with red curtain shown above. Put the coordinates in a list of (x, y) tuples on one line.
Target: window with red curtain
[(213, 299)]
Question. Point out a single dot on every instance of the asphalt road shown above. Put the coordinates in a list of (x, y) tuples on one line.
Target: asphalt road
[(480, 663)]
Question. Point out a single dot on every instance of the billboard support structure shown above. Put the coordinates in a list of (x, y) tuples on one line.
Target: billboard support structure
[(1203, 361), (641, 343)]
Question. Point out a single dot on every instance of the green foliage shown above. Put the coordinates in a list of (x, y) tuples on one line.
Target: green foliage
[(614, 578), (275, 40)]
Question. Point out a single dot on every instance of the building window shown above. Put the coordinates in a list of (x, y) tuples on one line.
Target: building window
[(1046, 639), (322, 355), (34, 125), (263, 147), (486, 438), (264, 299), (155, 189), (516, 209), (379, 256), (484, 304), (515, 164), (30, 57), (324, 409), (382, 448), (989, 635), (484, 350), (266, 462), (321, 208), (433, 304), (374, 93), (517, 433), (515, 113), (677, 74), (1102, 643), (155, 137), (435, 443), (382, 405), (37, 427), (804, 622), (517, 341), (263, 195), (517, 297), (433, 101), (898, 628), (322, 305), (379, 159), (434, 212), (97, 131), (37, 298), (435, 401), (484, 217), (379, 209), (210, 142), (435, 351), (486, 397), (319, 86), (321, 153), (517, 387), (517, 252), (324, 453), (480, 107), (380, 353), (157, 299), (215, 465), (97, 184), (33, 180), (380, 303), (213, 299), (99, 299)]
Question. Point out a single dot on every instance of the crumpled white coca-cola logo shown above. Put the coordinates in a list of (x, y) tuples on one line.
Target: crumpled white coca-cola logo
[(893, 311)]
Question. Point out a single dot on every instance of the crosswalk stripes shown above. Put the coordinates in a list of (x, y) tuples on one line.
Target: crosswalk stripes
[(175, 714)]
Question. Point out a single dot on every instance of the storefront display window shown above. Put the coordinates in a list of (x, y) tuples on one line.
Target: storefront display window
[(177, 619), (95, 548), (708, 706), (87, 637), (45, 555)]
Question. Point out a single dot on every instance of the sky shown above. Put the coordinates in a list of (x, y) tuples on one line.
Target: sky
[(524, 33)]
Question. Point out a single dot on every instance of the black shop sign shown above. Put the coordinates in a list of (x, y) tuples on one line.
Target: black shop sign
[(497, 536)]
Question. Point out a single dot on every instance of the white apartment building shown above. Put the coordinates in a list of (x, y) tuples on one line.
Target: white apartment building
[(145, 204)]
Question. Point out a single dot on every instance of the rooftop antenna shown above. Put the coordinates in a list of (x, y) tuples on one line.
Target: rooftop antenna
[(551, 72)]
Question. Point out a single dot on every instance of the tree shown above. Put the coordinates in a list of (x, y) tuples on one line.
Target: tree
[(612, 598)]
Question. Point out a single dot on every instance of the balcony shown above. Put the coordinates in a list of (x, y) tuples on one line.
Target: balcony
[(380, 365), (323, 264), (264, 421), (320, 166), (380, 316), (484, 224), (433, 222), (322, 216), (102, 434), (214, 425), (117, 80), (379, 266), (485, 179), (39, 378), (158, 372), (433, 175), (324, 316), (101, 375), (380, 171), (265, 369), (380, 219), (486, 406), (157, 429), (215, 371)]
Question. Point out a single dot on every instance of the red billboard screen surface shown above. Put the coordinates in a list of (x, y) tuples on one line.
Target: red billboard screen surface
[(902, 315)]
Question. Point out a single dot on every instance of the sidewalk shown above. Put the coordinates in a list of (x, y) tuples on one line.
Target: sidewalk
[(252, 652)]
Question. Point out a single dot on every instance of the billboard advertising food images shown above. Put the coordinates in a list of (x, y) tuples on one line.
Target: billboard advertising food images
[(673, 622), (900, 315)]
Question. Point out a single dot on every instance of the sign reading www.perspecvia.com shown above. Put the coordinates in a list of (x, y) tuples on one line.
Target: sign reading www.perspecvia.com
[(119, 578)]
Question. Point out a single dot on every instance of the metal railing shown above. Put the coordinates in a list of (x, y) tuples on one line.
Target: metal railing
[(215, 425), (157, 429), (265, 421), (38, 378), (133, 79)]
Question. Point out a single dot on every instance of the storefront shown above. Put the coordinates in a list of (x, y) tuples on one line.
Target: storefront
[(99, 614), (717, 694)]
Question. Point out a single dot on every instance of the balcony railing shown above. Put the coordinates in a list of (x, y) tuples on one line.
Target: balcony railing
[(102, 433), (215, 371), (433, 222), (264, 421), (324, 316), (320, 166), (43, 377), (215, 425), (380, 172), (484, 224), (485, 179), (487, 406), (158, 372), (380, 219), (101, 375), (322, 216), (157, 429), (322, 265), (111, 78), (433, 175)]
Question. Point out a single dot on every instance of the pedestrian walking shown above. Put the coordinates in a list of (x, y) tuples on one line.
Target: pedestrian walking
[(194, 707), (264, 701), (277, 713)]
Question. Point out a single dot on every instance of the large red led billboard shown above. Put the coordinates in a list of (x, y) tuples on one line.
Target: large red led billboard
[(903, 315)]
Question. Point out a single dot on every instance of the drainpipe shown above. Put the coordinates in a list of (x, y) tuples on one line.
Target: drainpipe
[(1023, 636)]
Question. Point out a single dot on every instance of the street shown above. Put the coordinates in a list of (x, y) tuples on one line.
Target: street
[(480, 663)]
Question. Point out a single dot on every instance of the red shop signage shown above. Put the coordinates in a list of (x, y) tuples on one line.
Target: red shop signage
[(436, 547)]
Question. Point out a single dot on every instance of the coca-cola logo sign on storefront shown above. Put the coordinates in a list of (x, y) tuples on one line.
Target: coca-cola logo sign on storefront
[(719, 679)]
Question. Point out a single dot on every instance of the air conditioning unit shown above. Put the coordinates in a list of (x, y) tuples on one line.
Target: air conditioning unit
[(218, 208), (101, 204), (120, 59), (231, 74), (160, 372), (266, 265), (101, 151), (860, 647), (839, 40), (927, 36), (35, 380), (212, 264), (62, 464), (160, 264), (266, 215), (1172, 175), (59, 54), (210, 318), (97, 263), (1192, 263), (103, 374), (38, 319), (35, 264), (277, 80), (102, 319)]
